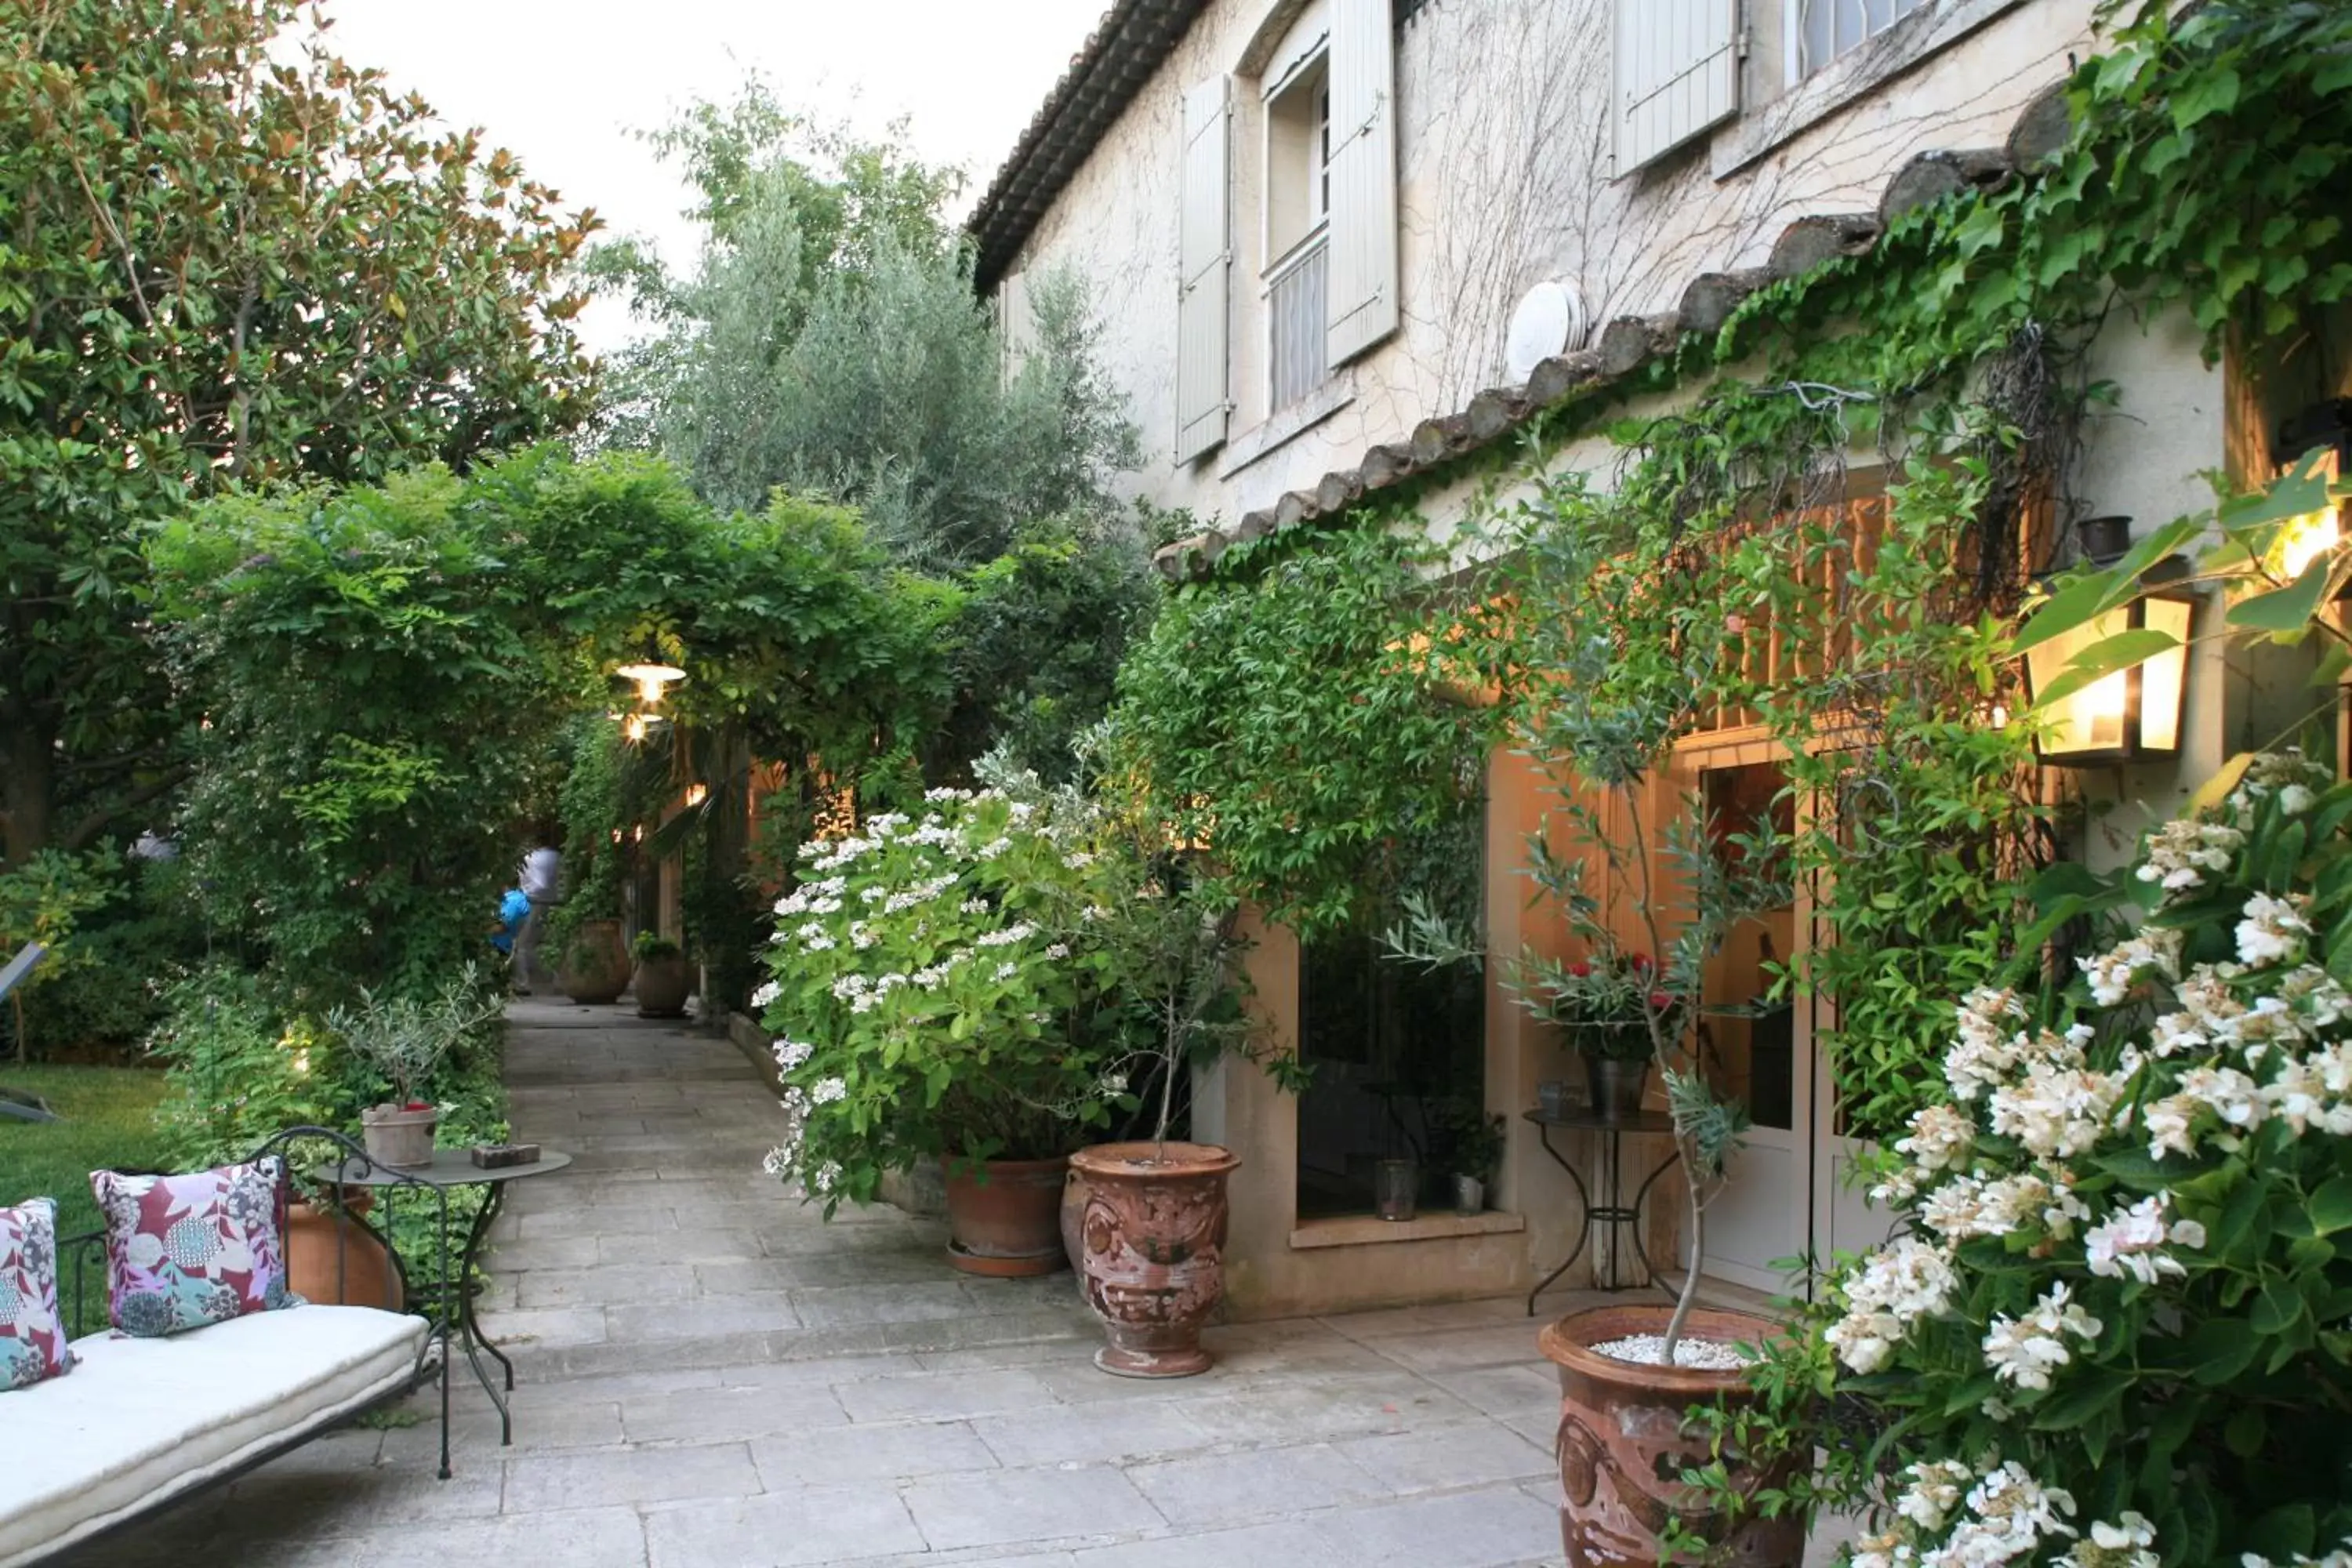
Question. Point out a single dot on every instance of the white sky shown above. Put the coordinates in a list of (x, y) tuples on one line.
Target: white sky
[(567, 83)]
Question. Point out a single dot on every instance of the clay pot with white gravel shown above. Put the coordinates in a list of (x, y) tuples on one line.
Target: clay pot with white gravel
[(1625, 1434)]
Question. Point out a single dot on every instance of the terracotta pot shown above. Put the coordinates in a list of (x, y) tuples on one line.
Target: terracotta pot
[(1154, 1239), (595, 966), (1622, 1434), (662, 985), (398, 1138), (333, 1259), (1004, 1216)]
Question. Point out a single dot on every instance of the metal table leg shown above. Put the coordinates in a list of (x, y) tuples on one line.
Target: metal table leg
[(469, 1327), (1583, 1235)]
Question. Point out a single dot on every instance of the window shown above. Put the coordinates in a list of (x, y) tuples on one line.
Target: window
[(1327, 88), (1825, 29), (1298, 229)]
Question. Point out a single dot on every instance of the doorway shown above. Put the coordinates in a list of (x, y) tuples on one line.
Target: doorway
[(1785, 1197)]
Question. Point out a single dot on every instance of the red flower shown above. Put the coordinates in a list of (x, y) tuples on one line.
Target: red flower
[(1581, 969), (1660, 1001), (1642, 961), (416, 1105)]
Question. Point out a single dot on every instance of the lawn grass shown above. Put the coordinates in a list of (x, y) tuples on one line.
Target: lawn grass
[(109, 1124)]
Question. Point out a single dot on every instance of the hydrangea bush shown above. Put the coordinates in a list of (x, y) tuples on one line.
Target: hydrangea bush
[(2115, 1328), (934, 990)]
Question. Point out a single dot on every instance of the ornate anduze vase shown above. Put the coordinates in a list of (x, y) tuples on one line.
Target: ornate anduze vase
[(595, 968), (1622, 1429), (1153, 1239)]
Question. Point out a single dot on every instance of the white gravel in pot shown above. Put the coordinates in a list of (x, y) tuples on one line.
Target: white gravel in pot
[(1650, 1350)]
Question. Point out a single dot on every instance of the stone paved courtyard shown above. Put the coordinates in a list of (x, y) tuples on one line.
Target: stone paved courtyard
[(709, 1376)]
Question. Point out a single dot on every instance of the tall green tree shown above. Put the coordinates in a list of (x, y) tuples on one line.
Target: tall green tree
[(829, 341), (225, 256)]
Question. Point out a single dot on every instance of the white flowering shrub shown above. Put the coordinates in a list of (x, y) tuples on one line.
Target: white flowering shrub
[(2114, 1330), (934, 991)]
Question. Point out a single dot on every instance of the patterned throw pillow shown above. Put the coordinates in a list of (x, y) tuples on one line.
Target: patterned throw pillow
[(31, 1331), (186, 1251)]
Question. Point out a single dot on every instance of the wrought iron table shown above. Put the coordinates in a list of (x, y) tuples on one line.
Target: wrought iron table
[(456, 1168), (1613, 1211)]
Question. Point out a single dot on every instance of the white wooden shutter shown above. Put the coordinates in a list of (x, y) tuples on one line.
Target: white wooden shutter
[(1677, 68), (1205, 246), (1361, 307), (1017, 319)]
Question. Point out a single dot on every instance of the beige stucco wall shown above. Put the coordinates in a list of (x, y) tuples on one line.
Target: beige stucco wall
[(1503, 170), (1503, 182)]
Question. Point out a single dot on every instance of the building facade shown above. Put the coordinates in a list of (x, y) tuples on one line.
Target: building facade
[(1336, 241)]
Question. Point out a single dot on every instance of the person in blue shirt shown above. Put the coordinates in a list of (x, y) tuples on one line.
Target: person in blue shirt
[(514, 908)]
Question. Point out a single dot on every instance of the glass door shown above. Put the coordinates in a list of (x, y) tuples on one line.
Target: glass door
[(1752, 1047)]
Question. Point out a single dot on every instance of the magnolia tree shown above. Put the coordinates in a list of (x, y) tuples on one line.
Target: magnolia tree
[(2115, 1328)]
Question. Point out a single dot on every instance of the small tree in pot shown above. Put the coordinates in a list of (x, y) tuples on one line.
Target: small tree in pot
[(405, 1038)]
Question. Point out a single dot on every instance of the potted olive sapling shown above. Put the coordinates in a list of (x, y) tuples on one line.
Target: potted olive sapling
[(405, 1040), (1152, 1217), (1629, 1373)]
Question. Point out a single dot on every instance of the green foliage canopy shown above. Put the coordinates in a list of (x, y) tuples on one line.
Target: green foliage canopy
[(227, 260)]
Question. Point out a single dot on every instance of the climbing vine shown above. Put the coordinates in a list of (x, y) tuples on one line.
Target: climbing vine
[(1291, 708)]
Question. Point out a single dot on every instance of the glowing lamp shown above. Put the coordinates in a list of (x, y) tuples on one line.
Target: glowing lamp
[(696, 793), (652, 679), (2129, 714)]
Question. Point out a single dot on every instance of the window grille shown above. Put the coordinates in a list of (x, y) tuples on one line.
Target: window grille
[(1296, 297), (1827, 28)]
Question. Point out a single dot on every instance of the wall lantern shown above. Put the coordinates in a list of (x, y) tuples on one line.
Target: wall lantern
[(696, 793), (652, 678), (2131, 713)]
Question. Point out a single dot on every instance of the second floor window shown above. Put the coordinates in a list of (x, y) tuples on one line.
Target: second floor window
[(1297, 212), (1827, 28)]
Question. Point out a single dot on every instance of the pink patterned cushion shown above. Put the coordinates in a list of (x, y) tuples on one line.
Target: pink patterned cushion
[(31, 1331), (186, 1251)]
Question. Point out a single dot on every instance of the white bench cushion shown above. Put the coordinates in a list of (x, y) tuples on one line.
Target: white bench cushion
[(141, 1420)]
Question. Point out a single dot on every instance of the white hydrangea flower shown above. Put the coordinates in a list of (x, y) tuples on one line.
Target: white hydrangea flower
[(2229, 1094), (1980, 1063), (1940, 1138), (2113, 972), (2180, 854), (2274, 932), (2128, 1542), (2025, 1350), (825, 1176), (1935, 1491), (1007, 971), (2056, 1112), (2169, 1123), (1890, 1289), (829, 1091), (1891, 1550), (791, 1054), (2013, 1512), (2133, 1242), (766, 994), (1008, 936)]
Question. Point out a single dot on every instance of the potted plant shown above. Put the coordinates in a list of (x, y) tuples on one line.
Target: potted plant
[(405, 1040), (592, 962), (1603, 1003), (1470, 1146), (932, 1001), (1151, 1228), (1630, 1375), (664, 979)]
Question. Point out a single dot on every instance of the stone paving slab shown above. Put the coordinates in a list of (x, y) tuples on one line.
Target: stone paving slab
[(710, 1374)]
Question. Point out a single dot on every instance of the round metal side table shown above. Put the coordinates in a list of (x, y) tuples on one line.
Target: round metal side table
[(1612, 1210)]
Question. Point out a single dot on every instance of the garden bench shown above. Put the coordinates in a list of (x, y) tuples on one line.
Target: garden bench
[(139, 1425)]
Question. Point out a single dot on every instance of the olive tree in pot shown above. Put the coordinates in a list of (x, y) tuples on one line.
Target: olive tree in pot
[(1603, 713), (405, 1038)]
